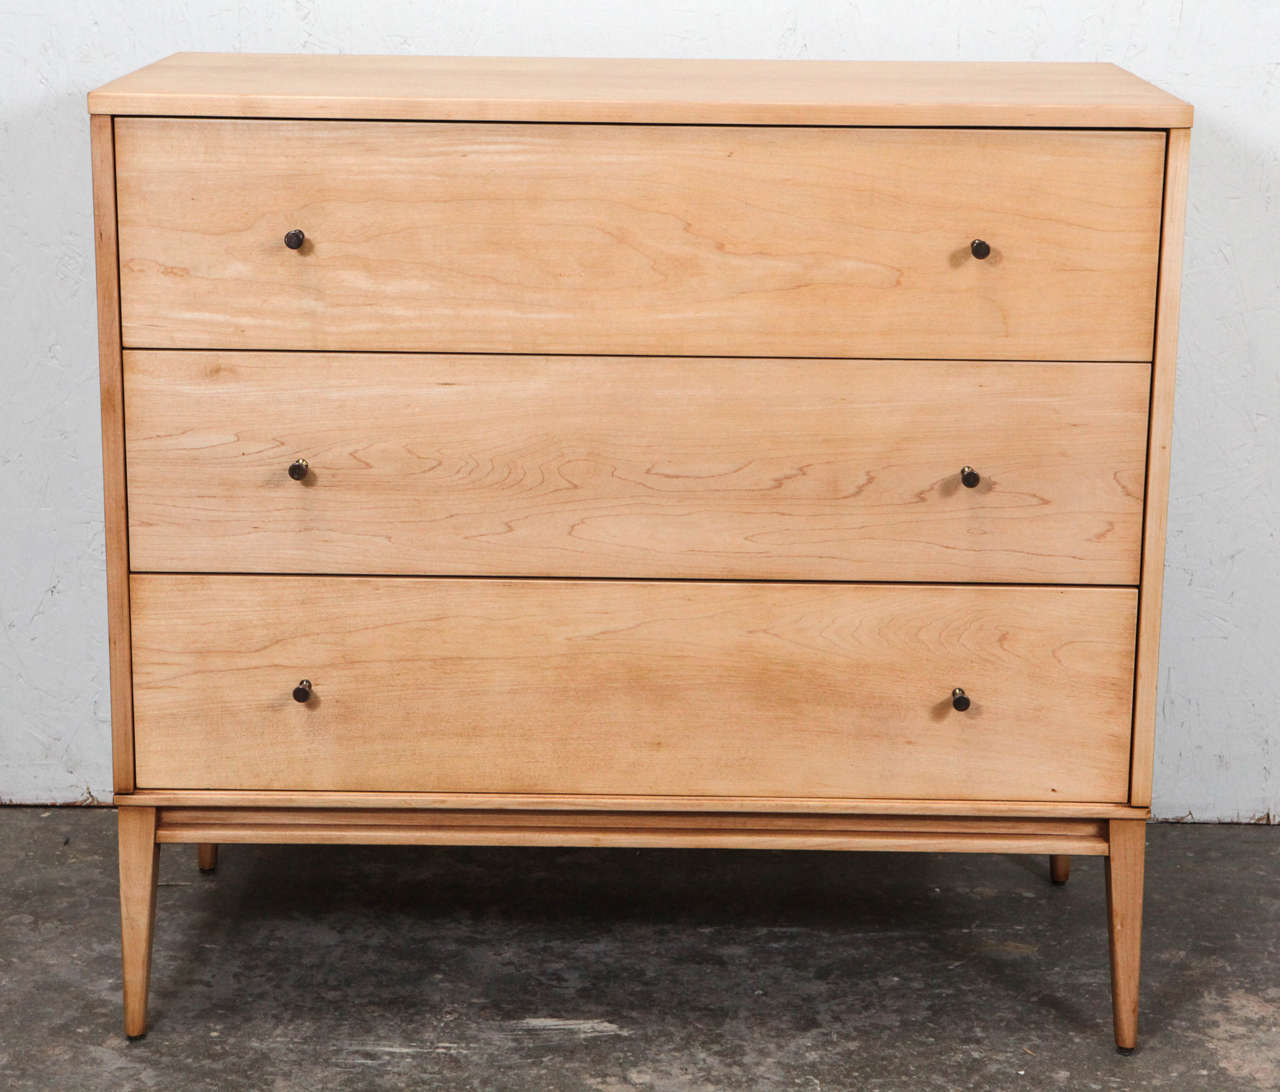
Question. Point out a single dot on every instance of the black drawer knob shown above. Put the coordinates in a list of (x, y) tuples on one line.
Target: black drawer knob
[(298, 469), (979, 248), (969, 477), (295, 238), (302, 692), (959, 700)]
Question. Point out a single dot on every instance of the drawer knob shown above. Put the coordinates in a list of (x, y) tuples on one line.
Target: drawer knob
[(298, 469), (959, 700), (295, 238), (979, 248), (302, 692), (969, 477)]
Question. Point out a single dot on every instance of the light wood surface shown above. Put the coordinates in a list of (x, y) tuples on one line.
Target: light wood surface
[(171, 819), (311, 825), (1158, 457), (139, 856), (743, 92), (1060, 868), (794, 354), (635, 239), (111, 386), (640, 467), (1125, 865), (632, 687), (507, 802)]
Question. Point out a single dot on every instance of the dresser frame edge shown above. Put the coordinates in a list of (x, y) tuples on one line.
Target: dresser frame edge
[(111, 386), (513, 803), (1159, 441), (346, 826)]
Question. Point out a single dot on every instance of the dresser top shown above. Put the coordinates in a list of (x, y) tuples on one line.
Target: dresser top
[(1073, 95)]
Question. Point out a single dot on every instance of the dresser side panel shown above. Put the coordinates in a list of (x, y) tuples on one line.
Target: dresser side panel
[(111, 378), (1160, 435)]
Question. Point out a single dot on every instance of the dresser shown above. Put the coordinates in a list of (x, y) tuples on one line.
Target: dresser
[(728, 454)]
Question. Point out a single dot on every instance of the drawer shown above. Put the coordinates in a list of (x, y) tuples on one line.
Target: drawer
[(630, 687), (640, 467), (664, 240)]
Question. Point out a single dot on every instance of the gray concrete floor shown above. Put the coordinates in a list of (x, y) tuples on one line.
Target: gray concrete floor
[(530, 969)]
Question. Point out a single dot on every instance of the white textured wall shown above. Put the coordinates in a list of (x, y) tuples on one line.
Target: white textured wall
[(1219, 751)]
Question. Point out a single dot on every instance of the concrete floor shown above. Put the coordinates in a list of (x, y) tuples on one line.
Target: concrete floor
[(494, 969)]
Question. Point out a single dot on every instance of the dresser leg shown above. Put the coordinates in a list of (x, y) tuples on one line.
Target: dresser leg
[(207, 856), (1060, 868), (139, 856), (1128, 838)]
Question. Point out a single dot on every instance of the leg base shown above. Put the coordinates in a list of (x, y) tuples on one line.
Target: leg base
[(1060, 868), (139, 855), (207, 857), (1126, 1051), (1126, 852)]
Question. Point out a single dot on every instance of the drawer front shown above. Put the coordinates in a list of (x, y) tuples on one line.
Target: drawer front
[(694, 240), (640, 467), (629, 687)]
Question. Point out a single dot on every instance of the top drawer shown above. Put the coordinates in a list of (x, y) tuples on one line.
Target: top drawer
[(688, 240)]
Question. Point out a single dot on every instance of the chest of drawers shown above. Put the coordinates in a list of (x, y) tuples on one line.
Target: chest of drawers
[(630, 453)]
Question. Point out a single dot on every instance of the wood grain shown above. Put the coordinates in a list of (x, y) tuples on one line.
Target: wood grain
[(638, 239), (139, 858), (1160, 442), (632, 687), (735, 217), (741, 92), (171, 819), (312, 825), (111, 386), (1125, 866), (640, 467), (507, 802), (641, 838)]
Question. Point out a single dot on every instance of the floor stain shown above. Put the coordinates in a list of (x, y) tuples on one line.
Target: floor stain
[(1243, 1031)]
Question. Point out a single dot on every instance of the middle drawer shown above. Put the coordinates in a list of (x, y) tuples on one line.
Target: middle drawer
[(635, 467)]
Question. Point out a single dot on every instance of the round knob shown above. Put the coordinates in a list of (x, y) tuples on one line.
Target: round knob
[(298, 469), (979, 248), (295, 238), (969, 477), (959, 700), (302, 692)]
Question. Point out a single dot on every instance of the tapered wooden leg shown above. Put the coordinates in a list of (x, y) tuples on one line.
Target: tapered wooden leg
[(1128, 838), (207, 856), (139, 856), (1060, 868)]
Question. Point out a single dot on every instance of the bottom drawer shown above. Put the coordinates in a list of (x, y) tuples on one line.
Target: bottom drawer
[(630, 687)]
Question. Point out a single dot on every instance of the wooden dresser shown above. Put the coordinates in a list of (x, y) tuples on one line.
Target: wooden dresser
[(636, 453)]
